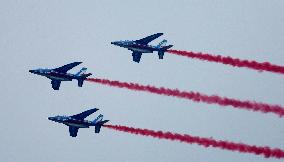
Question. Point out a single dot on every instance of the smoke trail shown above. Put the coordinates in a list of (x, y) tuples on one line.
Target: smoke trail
[(206, 142), (196, 97), (266, 66)]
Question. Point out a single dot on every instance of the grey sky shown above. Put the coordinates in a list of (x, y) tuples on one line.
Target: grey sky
[(52, 33)]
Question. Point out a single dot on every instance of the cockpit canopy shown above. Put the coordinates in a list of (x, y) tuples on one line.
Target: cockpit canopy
[(62, 118), (123, 42), (43, 70)]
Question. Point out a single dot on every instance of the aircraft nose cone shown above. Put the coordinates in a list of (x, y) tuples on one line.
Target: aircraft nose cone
[(51, 118), (31, 71), (114, 43)]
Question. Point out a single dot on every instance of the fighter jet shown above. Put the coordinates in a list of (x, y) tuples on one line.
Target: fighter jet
[(141, 46), (60, 74), (78, 121)]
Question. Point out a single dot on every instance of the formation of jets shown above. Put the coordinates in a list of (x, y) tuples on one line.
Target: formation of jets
[(57, 75)]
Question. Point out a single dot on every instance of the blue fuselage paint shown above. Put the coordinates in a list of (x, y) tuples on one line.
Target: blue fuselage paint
[(78, 123), (57, 75), (137, 47), (72, 121)]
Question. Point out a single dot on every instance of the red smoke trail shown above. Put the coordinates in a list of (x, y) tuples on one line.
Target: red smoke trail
[(206, 142), (195, 96), (266, 66)]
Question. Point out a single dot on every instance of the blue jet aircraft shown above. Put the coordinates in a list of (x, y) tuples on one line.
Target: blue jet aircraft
[(60, 74), (78, 121), (141, 46)]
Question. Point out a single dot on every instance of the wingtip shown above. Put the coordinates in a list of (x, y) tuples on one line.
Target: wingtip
[(75, 63), (93, 110), (96, 109)]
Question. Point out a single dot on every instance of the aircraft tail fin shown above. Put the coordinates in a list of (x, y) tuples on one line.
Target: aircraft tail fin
[(98, 119), (81, 72), (98, 123), (163, 42), (162, 51), (82, 76)]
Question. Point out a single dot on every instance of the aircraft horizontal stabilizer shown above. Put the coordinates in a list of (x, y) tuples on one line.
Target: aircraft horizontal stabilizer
[(162, 51), (99, 125)]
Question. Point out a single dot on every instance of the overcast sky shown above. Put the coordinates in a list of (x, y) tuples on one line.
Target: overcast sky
[(37, 33)]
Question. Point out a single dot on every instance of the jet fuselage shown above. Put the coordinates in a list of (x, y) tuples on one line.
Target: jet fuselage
[(54, 75), (72, 122), (133, 46)]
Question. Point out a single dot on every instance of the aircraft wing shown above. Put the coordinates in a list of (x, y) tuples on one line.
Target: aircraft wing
[(55, 84), (65, 68), (84, 114), (73, 131), (136, 56), (148, 39)]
